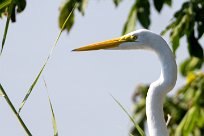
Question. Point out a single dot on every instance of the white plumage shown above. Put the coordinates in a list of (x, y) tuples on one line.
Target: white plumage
[(147, 40)]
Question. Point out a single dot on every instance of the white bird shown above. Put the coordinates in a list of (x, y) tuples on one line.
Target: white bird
[(147, 40)]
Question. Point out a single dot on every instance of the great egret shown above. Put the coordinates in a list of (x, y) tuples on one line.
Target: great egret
[(145, 39)]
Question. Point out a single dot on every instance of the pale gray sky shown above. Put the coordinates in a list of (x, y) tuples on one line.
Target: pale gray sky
[(79, 83)]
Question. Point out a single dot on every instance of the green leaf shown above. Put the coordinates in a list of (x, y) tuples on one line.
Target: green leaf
[(190, 65), (4, 3), (143, 12), (158, 4), (131, 21), (168, 2), (178, 31), (130, 117), (6, 27), (194, 46), (183, 23), (21, 4), (82, 6), (65, 10), (186, 123), (54, 123), (117, 2), (182, 11), (200, 29), (46, 61), (192, 114), (168, 27), (175, 39), (201, 120)]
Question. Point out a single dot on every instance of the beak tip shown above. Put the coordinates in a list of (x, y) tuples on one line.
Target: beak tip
[(75, 50), (80, 49), (100, 45)]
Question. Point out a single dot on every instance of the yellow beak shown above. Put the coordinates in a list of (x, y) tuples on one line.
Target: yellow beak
[(106, 44)]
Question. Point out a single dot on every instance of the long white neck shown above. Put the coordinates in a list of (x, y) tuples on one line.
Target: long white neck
[(158, 89)]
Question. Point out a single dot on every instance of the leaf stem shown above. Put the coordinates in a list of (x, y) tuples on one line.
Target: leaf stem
[(10, 7)]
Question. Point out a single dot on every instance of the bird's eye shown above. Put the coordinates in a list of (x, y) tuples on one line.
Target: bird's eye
[(134, 37)]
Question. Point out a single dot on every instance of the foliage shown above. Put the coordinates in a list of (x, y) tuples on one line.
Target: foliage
[(9, 8), (17, 7), (186, 108), (66, 9), (190, 64), (140, 10), (188, 22), (3, 4)]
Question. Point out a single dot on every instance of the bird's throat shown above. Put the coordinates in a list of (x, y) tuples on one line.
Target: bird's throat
[(158, 90), (154, 111)]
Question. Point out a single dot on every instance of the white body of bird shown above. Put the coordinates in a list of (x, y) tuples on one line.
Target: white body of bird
[(147, 40)]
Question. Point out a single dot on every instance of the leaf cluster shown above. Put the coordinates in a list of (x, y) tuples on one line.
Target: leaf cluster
[(189, 22), (140, 11), (17, 6), (186, 108), (65, 10)]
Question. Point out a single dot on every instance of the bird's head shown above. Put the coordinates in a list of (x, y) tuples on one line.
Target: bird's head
[(139, 39)]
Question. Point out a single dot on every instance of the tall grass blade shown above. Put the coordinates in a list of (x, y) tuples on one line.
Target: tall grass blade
[(47, 59), (4, 3), (130, 117), (31, 87), (54, 123), (14, 111), (6, 27)]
